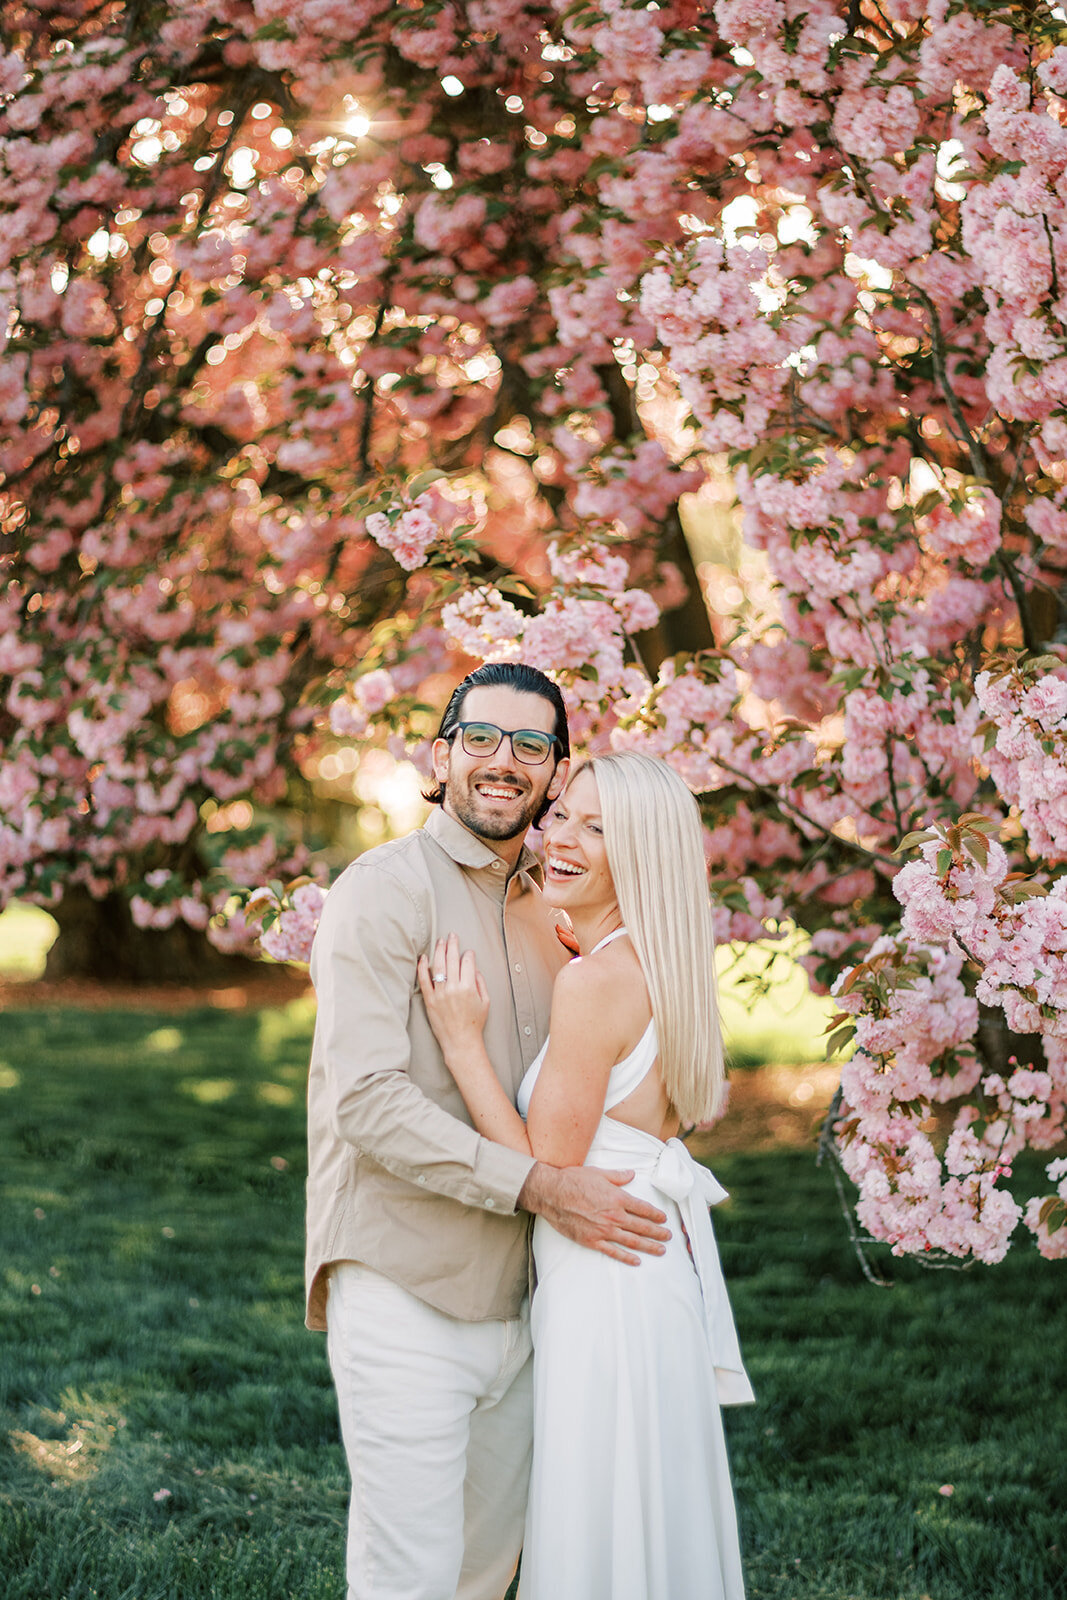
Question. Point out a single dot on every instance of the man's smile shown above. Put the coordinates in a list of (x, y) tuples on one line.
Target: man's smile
[(499, 791)]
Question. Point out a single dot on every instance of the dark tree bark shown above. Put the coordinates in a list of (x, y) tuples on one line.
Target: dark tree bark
[(685, 627), (99, 940), (997, 1044)]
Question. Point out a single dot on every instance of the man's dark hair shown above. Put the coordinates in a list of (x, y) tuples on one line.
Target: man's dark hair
[(503, 675)]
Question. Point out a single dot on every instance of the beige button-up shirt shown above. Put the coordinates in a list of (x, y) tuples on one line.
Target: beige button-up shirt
[(398, 1178)]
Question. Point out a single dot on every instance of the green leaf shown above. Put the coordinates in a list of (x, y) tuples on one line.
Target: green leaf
[(422, 481), (928, 503), (910, 840), (838, 1039), (944, 861), (978, 850)]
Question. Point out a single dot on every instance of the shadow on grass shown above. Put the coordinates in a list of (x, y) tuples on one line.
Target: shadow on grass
[(169, 1427)]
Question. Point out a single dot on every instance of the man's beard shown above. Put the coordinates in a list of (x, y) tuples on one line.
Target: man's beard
[(466, 806)]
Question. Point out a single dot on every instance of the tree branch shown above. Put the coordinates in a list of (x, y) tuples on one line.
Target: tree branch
[(787, 805), (937, 355), (827, 1150)]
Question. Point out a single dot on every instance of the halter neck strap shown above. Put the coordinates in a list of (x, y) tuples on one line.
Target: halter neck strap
[(616, 933)]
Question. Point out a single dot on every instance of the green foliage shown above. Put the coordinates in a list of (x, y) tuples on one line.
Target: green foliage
[(769, 1014), (151, 1198), (26, 936)]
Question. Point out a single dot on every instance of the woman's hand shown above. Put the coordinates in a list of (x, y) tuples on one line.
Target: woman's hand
[(457, 1004), (455, 995)]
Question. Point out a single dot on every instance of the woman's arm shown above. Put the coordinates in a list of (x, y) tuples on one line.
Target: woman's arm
[(457, 1010), (568, 1098)]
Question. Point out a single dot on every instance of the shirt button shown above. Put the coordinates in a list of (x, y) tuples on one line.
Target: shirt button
[(526, 1031), (421, 1178), (518, 966), (496, 866), (490, 1205)]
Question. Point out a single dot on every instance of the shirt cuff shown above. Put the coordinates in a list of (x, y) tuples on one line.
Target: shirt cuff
[(499, 1174)]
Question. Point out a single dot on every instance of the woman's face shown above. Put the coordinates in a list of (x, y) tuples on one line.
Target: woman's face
[(577, 875)]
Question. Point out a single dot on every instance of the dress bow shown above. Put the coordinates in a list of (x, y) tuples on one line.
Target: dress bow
[(693, 1189), (677, 1174)]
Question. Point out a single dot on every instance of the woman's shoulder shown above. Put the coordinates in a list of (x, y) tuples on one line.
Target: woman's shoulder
[(605, 987), (581, 978), (601, 968)]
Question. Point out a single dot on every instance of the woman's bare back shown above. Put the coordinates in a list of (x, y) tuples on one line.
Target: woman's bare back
[(647, 1106)]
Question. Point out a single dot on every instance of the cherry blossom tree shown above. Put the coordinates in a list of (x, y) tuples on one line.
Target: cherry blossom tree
[(263, 266), (346, 343)]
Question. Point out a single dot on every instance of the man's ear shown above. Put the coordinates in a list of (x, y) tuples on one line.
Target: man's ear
[(441, 752), (559, 778)]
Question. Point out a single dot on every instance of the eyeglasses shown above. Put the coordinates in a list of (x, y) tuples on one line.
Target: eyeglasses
[(528, 745)]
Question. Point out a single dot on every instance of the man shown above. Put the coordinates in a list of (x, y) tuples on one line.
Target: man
[(417, 1227)]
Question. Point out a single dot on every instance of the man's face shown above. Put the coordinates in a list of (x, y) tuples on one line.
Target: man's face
[(497, 797)]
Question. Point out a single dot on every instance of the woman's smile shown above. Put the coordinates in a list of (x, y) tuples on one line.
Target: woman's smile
[(558, 868)]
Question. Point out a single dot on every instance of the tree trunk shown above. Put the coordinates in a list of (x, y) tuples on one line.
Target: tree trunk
[(99, 940), (998, 1044), (685, 627)]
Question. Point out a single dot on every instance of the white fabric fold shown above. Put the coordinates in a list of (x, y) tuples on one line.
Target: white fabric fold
[(694, 1189), (671, 1171), (676, 1174)]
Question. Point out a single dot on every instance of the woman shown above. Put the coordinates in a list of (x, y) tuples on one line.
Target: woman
[(630, 1495)]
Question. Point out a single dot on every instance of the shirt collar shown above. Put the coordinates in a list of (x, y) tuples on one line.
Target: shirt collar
[(467, 850)]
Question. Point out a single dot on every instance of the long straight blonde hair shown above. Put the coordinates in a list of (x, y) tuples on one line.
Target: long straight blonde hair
[(655, 852)]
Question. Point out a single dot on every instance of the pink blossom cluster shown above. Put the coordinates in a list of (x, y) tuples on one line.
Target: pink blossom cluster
[(688, 718), (634, 489), (1015, 232), (915, 1024), (594, 566), (916, 1033), (290, 935), (578, 636), (406, 533), (898, 735), (961, 895), (968, 534), (930, 1019), (1045, 1214), (730, 361), (907, 1199), (484, 624), (1028, 758)]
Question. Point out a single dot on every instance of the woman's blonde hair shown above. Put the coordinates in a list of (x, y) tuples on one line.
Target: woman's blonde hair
[(655, 851)]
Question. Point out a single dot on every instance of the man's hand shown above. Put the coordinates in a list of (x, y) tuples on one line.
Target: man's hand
[(591, 1207)]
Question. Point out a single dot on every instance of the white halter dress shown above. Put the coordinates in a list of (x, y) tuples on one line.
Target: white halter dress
[(630, 1495)]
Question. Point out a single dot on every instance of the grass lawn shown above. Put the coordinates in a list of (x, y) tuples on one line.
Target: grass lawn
[(168, 1425)]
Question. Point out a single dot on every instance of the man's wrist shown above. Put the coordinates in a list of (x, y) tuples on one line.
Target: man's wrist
[(534, 1193)]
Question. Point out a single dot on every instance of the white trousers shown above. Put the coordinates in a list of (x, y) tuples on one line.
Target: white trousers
[(436, 1418)]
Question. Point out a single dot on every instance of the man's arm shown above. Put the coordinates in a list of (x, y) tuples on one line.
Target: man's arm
[(363, 968), (591, 1206)]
